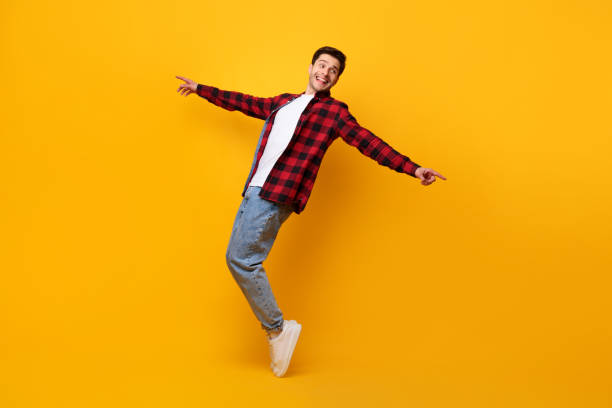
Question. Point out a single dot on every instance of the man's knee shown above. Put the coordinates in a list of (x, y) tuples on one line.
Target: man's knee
[(235, 262), (228, 257)]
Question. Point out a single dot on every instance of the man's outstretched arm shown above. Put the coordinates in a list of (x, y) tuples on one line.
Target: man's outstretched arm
[(374, 147), (249, 105)]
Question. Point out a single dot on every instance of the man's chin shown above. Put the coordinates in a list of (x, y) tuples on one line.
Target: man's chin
[(318, 88)]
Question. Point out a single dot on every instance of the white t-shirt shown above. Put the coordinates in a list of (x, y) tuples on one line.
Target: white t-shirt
[(285, 122)]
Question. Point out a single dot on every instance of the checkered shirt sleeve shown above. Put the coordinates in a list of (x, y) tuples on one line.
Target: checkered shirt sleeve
[(256, 107), (371, 145)]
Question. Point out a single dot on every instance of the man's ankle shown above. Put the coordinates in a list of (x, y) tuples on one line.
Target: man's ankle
[(275, 332)]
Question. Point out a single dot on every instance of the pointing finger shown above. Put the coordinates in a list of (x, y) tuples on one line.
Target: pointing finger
[(439, 175)]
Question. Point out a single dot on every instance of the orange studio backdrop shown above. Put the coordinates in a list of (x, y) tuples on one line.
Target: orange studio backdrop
[(489, 289)]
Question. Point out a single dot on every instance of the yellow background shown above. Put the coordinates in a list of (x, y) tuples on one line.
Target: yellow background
[(490, 289)]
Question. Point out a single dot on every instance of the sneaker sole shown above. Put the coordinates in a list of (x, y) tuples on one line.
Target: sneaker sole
[(293, 338)]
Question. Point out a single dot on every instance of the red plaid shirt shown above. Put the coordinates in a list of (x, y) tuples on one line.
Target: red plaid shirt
[(292, 178)]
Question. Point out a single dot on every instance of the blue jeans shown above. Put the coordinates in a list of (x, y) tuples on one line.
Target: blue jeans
[(254, 231)]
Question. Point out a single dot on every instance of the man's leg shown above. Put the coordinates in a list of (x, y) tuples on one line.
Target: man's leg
[(254, 231)]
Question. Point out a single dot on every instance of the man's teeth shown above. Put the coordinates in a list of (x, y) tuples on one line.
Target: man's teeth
[(322, 80)]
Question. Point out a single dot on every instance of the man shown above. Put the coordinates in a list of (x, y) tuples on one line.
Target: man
[(297, 131)]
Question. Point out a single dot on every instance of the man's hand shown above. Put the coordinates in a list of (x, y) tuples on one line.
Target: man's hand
[(427, 176), (188, 87)]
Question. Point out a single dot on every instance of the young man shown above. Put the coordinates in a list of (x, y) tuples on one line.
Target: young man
[(297, 131)]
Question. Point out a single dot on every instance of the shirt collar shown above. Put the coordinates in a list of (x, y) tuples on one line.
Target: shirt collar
[(323, 94), (320, 94)]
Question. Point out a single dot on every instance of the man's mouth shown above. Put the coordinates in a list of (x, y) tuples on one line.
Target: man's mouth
[(322, 80)]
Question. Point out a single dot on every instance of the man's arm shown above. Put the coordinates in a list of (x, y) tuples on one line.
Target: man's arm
[(371, 145), (249, 105)]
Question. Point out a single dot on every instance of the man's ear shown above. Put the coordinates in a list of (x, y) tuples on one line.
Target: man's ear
[(310, 69)]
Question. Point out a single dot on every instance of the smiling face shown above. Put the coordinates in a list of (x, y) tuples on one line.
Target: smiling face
[(323, 74)]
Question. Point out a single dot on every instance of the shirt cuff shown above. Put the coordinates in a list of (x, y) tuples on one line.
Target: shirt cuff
[(204, 90), (411, 168)]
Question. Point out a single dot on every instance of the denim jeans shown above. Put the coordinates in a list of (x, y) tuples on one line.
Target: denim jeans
[(254, 231)]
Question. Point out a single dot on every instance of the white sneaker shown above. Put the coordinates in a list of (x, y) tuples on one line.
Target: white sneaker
[(282, 346)]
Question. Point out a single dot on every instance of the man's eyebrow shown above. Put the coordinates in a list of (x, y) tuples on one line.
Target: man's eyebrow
[(324, 60)]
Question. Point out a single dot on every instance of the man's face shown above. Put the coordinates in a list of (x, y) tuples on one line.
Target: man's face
[(324, 73)]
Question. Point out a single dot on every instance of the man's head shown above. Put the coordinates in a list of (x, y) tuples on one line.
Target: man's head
[(327, 65)]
